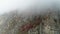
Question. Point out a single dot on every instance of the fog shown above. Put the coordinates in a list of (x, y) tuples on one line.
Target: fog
[(10, 5)]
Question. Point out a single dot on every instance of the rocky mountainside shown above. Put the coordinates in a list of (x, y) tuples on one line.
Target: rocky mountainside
[(14, 23)]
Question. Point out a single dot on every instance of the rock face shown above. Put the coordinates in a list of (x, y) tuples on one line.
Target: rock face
[(49, 25), (32, 24)]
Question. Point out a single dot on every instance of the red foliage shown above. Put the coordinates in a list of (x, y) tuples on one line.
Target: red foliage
[(28, 26)]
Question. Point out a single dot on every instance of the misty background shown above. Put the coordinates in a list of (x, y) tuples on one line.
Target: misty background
[(11, 5)]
